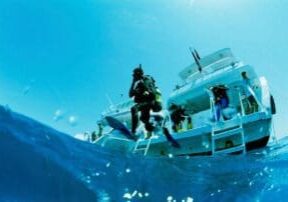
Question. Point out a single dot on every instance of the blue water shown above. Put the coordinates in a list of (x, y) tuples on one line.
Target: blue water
[(39, 163)]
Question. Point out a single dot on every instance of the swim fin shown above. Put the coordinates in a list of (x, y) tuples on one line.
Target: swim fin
[(117, 125), (170, 138)]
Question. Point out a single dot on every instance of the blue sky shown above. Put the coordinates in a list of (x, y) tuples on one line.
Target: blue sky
[(67, 55)]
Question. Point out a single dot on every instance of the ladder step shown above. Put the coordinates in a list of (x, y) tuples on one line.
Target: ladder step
[(231, 150), (141, 146), (139, 149), (227, 133)]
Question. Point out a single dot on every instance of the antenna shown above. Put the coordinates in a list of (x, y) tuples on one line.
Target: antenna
[(109, 100), (196, 58)]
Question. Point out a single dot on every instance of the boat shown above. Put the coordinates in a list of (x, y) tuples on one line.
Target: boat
[(243, 125)]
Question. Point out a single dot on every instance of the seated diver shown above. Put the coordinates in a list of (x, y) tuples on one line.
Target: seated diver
[(221, 101), (253, 106), (95, 136), (147, 97), (177, 114)]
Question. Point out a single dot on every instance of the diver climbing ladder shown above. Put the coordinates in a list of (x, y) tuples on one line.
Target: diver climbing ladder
[(221, 133)]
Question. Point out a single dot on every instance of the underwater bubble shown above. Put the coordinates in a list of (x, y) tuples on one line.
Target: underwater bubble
[(87, 179), (169, 198), (205, 144), (140, 195), (72, 120), (103, 196), (58, 112), (271, 187), (189, 199), (261, 174), (128, 170), (58, 115), (127, 196), (278, 190), (134, 193), (108, 165), (170, 155), (146, 194)]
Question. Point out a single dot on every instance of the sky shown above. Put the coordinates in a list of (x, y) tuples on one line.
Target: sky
[(61, 59)]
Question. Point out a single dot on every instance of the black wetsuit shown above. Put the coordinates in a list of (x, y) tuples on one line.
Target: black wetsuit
[(177, 117), (145, 101)]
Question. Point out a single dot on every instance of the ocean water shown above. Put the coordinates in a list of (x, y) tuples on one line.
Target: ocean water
[(39, 163)]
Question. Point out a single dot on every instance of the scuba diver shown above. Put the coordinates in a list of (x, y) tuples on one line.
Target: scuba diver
[(221, 100), (147, 97), (94, 135), (177, 114), (252, 103)]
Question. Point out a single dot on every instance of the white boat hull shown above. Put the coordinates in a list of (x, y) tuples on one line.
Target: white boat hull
[(198, 141)]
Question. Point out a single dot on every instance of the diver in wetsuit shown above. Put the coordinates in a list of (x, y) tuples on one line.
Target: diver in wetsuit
[(177, 114), (221, 100), (147, 97)]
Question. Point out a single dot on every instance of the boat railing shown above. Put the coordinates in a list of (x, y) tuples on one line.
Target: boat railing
[(238, 89), (259, 103), (255, 97)]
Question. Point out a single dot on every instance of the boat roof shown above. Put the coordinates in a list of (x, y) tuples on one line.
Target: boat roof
[(209, 64)]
